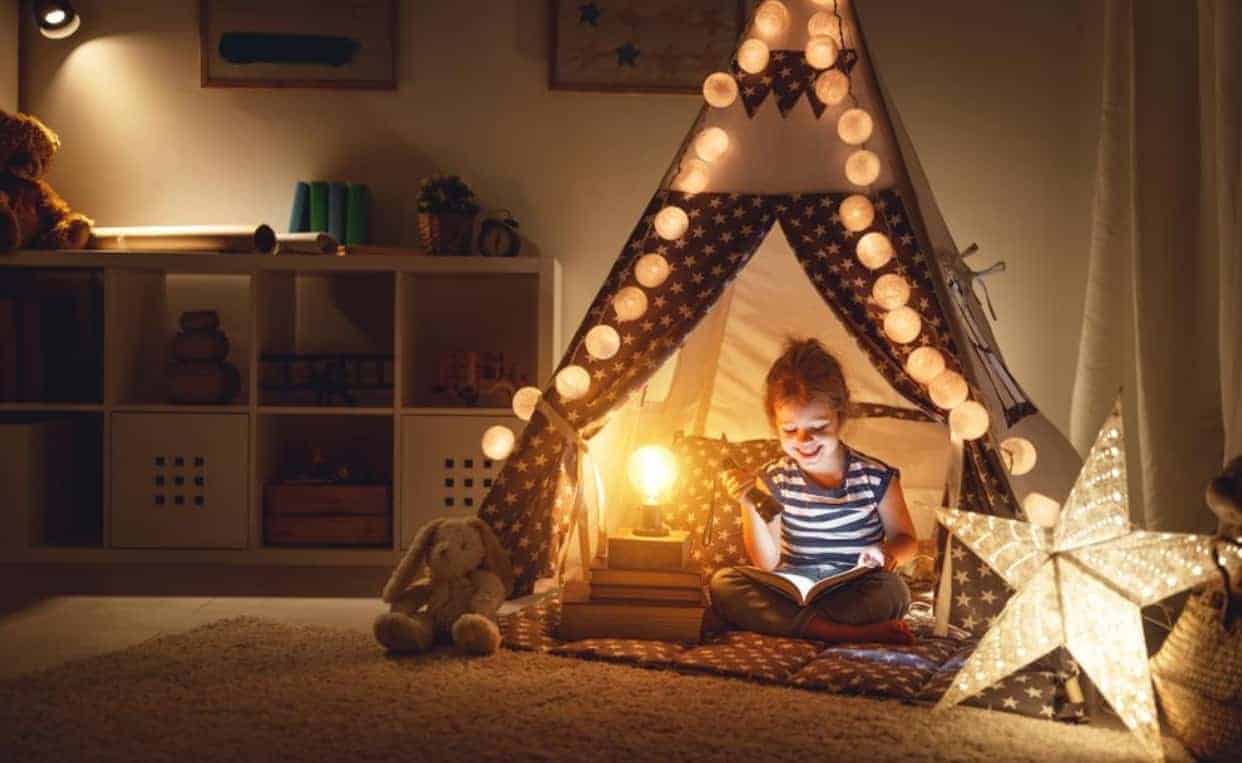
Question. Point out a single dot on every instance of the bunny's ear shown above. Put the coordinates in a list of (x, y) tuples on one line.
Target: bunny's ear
[(497, 558), (412, 564)]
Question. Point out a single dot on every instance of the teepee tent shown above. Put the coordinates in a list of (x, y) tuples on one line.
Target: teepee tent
[(795, 205)]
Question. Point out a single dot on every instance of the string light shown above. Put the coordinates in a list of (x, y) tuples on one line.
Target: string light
[(693, 176), (855, 126), (1041, 510), (651, 270), (524, 402), (752, 56), (573, 382), (1019, 455), (948, 390), (874, 249), (771, 18), (602, 342), (891, 291), (832, 86), (824, 24), (720, 90), (821, 51), (862, 167), (969, 421), (711, 143), (903, 325), (671, 223), (857, 213), (925, 364), (498, 442), (630, 303)]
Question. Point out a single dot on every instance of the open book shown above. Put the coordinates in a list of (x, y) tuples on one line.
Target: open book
[(801, 589)]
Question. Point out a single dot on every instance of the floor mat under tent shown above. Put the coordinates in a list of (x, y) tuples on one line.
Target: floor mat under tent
[(918, 673)]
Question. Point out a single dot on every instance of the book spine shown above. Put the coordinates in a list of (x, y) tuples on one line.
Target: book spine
[(31, 365), (657, 578), (318, 206), (299, 214), (357, 211), (640, 593), (8, 349), (336, 211)]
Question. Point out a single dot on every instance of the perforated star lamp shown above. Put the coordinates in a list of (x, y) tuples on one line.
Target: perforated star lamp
[(1081, 584)]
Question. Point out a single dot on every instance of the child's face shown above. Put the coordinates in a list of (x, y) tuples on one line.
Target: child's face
[(809, 432)]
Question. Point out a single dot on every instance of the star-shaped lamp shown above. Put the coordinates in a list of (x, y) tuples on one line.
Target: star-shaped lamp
[(1081, 584)]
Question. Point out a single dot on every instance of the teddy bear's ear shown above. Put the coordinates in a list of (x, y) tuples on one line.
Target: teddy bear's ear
[(497, 558), (412, 564)]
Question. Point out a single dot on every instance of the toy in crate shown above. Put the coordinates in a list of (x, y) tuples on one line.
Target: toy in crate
[(476, 378), (326, 378), (328, 506)]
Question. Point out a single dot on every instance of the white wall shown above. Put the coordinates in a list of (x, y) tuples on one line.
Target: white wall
[(998, 97), (8, 55)]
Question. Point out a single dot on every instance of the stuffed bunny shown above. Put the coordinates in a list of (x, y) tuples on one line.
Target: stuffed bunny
[(471, 576)]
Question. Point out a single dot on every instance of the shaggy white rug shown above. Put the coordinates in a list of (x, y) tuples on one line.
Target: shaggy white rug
[(244, 689)]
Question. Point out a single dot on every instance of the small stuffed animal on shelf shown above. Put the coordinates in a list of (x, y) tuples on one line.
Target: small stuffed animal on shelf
[(32, 215), (470, 577)]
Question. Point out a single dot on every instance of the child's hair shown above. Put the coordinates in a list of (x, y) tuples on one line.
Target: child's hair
[(806, 371)]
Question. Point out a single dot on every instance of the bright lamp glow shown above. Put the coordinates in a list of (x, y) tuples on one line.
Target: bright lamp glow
[(969, 421), (857, 213), (832, 86), (948, 390), (855, 126), (693, 176), (630, 303), (821, 51), (524, 402), (652, 470), (925, 364), (874, 250), (671, 223), (1019, 455), (823, 24), (573, 382), (752, 56), (711, 143), (602, 342), (862, 167), (720, 90), (891, 291), (498, 442), (771, 18), (651, 270), (903, 325)]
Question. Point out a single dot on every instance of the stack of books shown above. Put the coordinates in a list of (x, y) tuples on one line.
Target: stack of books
[(339, 209), (653, 596)]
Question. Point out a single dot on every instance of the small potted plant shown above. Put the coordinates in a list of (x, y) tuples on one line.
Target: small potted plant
[(446, 212)]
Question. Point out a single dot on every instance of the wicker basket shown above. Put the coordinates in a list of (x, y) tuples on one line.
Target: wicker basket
[(1198, 678), (446, 233)]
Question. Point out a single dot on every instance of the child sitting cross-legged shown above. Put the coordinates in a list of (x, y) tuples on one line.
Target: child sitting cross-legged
[(818, 509)]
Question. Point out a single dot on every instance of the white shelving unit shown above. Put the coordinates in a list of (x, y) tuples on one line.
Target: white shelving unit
[(411, 307)]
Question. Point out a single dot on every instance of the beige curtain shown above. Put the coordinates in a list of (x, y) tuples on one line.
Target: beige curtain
[(1163, 313)]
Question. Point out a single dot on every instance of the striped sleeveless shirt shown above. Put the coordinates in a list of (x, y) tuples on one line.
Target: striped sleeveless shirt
[(829, 525)]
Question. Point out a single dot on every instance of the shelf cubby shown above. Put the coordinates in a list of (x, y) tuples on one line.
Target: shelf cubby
[(51, 336), (53, 469)]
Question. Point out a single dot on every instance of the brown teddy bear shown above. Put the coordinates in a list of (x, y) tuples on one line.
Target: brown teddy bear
[(32, 215)]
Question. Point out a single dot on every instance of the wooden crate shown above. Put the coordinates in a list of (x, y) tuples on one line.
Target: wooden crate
[(327, 515)]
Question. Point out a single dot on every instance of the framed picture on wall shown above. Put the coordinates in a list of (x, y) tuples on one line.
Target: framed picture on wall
[(640, 46), (295, 43)]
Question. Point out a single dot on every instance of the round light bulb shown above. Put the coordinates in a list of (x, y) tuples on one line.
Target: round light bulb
[(862, 167), (830, 5), (1041, 510), (874, 250), (822, 24), (771, 18), (602, 342), (630, 303), (948, 390), (903, 325), (693, 176), (891, 291), (572, 382), (671, 223), (752, 56), (855, 126), (832, 86), (925, 364), (652, 469), (857, 213), (821, 51), (498, 442), (1019, 455), (711, 143), (720, 90), (651, 270), (524, 402), (969, 421)]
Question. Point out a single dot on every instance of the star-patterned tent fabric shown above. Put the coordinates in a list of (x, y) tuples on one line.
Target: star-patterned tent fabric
[(789, 78)]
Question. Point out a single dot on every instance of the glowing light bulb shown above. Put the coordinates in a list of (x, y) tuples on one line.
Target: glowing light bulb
[(1041, 510), (857, 213), (498, 442), (855, 126), (969, 421), (874, 250), (720, 90), (602, 342), (711, 143), (862, 167), (752, 56), (651, 270), (693, 176), (891, 291), (573, 382), (948, 390), (652, 469), (832, 86), (925, 364), (829, 5), (1019, 455), (771, 18), (630, 303), (821, 51), (524, 402), (903, 325), (824, 24), (671, 223)]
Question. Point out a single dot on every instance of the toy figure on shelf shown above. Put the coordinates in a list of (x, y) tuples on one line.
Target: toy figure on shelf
[(198, 372), (32, 215), (477, 378)]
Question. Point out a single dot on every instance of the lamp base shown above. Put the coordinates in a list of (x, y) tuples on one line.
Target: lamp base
[(651, 521)]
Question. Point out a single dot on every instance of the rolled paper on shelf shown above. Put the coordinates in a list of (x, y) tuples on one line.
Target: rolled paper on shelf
[(306, 243), (236, 239)]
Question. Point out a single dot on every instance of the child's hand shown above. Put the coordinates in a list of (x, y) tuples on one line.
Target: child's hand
[(874, 556), (735, 482)]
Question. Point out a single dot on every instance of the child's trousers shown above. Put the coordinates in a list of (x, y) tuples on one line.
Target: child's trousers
[(746, 603)]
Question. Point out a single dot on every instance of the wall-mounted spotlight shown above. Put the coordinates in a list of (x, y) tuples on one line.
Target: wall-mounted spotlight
[(56, 18)]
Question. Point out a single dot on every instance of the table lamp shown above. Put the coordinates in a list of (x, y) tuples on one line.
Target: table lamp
[(652, 471)]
